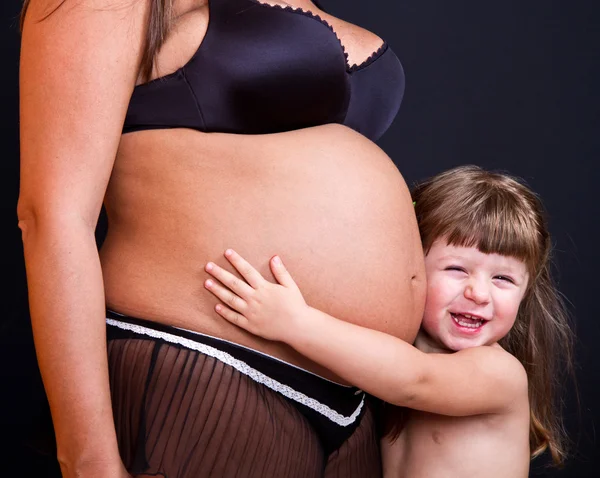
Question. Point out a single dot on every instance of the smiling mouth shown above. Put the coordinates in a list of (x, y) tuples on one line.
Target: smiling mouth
[(468, 321)]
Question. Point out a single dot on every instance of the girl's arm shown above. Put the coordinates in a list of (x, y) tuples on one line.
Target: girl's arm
[(78, 68), (472, 381)]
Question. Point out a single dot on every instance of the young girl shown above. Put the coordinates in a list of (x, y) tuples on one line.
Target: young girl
[(480, 377)]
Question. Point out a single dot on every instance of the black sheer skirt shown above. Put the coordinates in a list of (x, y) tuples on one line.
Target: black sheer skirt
[(187, 405)]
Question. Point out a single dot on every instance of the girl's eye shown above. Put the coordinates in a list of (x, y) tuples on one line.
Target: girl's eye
[(505, 279), (455, 268)]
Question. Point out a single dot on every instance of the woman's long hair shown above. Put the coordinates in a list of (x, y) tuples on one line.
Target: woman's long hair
[(497, 213), (159, 23)]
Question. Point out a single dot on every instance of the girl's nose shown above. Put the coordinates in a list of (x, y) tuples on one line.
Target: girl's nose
[(477, 291)]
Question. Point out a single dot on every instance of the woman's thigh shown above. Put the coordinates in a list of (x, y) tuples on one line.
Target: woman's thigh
[(359, 456), (180, 413)]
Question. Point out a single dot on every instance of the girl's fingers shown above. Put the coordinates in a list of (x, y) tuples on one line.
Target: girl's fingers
[(232, 316), (226, 278), (281, 273), (249, 273), (232, 300)]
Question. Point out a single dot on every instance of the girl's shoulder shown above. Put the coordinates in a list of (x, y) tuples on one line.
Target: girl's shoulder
[(498, 362)]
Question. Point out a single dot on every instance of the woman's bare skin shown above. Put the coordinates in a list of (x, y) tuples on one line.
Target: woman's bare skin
[(332, 203), (325, 198)]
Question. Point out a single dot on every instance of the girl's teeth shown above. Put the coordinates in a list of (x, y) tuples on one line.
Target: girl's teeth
[(464, 321)]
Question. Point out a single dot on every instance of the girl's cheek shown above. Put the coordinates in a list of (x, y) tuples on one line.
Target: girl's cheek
[(429, 314), (428, 325), (438, 285), (509, 306)]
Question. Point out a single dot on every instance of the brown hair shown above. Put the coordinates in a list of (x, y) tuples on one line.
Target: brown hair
[(159, 23), (498, 213)]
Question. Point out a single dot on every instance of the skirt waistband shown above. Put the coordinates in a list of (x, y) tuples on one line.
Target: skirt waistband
[(340, 404)]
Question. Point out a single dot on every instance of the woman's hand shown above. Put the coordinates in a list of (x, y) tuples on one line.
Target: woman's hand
[(255, 304)]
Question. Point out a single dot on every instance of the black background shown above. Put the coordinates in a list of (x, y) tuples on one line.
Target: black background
[(509, 85)]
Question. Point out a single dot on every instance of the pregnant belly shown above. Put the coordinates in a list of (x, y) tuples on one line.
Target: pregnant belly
[(327, 200)]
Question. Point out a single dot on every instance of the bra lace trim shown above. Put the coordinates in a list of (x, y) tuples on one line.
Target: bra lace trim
[(372, 57), (307, 13)]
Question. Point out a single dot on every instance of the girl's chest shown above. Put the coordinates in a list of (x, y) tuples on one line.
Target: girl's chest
[(479, 445), (442, 430)]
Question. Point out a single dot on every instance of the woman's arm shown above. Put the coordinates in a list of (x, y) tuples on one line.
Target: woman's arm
[(77, 71), (469, 382)]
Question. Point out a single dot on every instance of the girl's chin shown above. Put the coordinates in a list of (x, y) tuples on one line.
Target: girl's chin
[(457, 344)]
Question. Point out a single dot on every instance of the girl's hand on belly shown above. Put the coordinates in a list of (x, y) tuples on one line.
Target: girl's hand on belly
[(255, 304)]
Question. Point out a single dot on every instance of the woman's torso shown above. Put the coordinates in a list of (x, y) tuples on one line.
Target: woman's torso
[(325, 198)]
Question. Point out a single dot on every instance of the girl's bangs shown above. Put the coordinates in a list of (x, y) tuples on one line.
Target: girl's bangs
[(493, 228)]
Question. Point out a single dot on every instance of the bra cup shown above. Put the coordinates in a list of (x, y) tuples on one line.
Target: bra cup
[(374, 105), (265, 71)]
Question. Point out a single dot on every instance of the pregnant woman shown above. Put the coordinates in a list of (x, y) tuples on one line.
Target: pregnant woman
[(200, 125)]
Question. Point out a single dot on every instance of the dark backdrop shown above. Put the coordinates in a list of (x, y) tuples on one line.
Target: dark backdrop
[(510, 85)]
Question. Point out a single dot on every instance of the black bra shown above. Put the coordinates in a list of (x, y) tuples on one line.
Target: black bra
[(267, 69)]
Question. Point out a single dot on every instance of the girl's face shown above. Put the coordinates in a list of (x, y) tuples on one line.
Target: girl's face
[(472, 298)]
